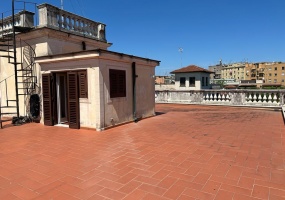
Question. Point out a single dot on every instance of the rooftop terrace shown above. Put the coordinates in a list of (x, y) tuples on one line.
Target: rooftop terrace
[(186, 152)]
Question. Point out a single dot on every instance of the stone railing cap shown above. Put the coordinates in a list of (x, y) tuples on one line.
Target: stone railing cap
[(51, 6)]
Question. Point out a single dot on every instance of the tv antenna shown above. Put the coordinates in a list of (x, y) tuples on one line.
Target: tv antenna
[(180, 49)]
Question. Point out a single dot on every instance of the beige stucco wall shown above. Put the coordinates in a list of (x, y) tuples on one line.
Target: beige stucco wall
[(198, 78), (119, 110)]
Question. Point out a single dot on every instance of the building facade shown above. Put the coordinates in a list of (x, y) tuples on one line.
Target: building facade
[(217, 69), (80, 83), (269, 73), (234, 71)]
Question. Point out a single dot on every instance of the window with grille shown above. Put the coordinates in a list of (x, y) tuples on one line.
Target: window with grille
[(117, 83)]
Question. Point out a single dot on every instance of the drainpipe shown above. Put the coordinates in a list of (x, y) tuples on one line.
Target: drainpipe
[(134, 76)]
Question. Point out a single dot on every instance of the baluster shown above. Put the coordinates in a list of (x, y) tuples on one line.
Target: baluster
[(64, 21), (87, 28), (83, 27), (275, 98), (249, 99), (263, 97), (223, 98), (215, 97), (69, 23), (207, 97), (269, 98), (254, 98), (259, 98), (79, 26), (228, 97), (75, 24), (220, 97), (211, 97)]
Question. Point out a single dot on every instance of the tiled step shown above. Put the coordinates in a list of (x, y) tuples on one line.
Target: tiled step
[(4, 50), (6, 56), (8, 113), (8, 107)]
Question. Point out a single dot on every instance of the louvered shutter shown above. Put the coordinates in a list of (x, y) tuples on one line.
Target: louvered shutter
[(117, 83), (83, 88), (121, 84), (113, 82), (47, 100), (73, 100)]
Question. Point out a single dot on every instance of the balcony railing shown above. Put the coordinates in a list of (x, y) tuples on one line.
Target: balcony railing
[(256, 98), (22, 19), (53, 17)]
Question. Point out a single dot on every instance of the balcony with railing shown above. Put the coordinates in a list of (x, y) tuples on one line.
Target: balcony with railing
[(56, 18), (24, 19), (254, 98)]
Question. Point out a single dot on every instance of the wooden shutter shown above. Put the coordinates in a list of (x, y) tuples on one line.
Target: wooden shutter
[(47, 100), (83, 88), (73, 100), (117, 83), (113, 82), (121, 83)]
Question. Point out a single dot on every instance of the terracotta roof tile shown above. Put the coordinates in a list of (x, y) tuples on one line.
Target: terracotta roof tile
[(191, 68)]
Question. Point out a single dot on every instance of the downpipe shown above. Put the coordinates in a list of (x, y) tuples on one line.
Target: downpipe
[(134, 77)]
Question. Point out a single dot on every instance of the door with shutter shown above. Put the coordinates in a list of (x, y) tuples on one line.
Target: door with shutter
[(47, 99), (73, 100)]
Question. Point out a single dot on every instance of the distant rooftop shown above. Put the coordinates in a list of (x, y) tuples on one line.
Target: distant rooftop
[(191, 68)]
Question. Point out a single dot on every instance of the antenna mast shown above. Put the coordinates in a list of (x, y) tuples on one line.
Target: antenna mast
[(180, 50), (61, 4)]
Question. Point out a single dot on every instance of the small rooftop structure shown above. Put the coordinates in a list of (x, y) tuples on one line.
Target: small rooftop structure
[(192, 77)]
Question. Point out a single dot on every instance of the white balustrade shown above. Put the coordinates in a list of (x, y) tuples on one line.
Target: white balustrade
[(260, 98), (53, 17), (23, 19)]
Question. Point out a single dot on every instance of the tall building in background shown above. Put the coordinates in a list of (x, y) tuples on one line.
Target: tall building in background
[(267, 72)]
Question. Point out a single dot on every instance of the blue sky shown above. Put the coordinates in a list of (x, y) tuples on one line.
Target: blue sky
[(207, 30)]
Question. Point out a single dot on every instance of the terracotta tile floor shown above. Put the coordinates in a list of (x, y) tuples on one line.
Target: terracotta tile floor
[(186, 152)]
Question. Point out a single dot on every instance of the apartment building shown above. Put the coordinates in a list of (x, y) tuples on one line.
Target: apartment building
[(234, 71), (268, 72)]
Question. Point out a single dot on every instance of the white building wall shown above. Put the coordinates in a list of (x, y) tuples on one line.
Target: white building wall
[(198, 78)]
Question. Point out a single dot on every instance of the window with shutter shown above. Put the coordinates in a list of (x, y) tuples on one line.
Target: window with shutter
[(83, 87), (117, 83)]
